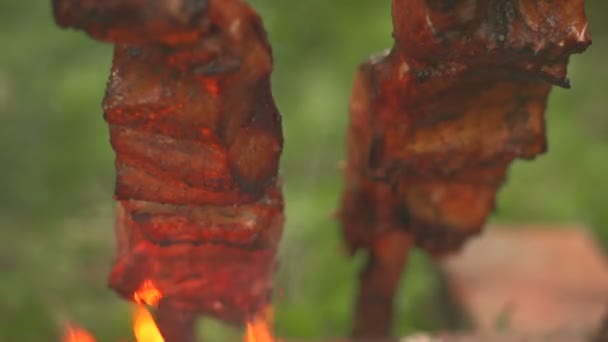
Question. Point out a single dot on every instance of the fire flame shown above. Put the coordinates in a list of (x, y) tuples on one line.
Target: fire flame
[(148, 294), (259, 328), (76, 334), (144, 327)]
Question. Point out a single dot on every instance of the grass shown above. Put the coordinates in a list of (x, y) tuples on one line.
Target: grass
[(57, 171)]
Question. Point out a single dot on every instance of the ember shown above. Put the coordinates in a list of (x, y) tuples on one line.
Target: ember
[(436, 122)]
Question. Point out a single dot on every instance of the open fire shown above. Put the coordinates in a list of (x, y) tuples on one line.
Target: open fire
[(77, 334), (259, 328), (145, 328)]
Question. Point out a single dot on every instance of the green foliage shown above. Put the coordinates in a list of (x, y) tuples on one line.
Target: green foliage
[(57, 170)]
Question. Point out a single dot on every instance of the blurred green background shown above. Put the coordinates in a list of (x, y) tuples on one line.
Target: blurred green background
[(57, 171)]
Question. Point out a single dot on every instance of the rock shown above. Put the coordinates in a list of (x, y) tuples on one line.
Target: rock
[(533, 280)]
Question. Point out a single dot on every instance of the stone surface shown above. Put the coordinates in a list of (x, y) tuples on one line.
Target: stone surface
[(533, 280)]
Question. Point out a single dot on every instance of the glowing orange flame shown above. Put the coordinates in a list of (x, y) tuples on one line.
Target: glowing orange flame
[(148, 294), (259, 328), (145, 328), (76, 334)]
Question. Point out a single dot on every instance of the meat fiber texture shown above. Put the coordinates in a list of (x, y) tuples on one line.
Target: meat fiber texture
[(525, 38), (136, 21), (436, 121), (198, 139), (217, 261)]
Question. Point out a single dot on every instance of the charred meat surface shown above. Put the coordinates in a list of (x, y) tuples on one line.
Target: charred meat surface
[(435, 123), (198, 139), (533, 38), (135, 21)]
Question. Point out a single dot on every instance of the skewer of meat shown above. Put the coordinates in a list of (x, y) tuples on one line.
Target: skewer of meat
[(436, 122), (198, 140)]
